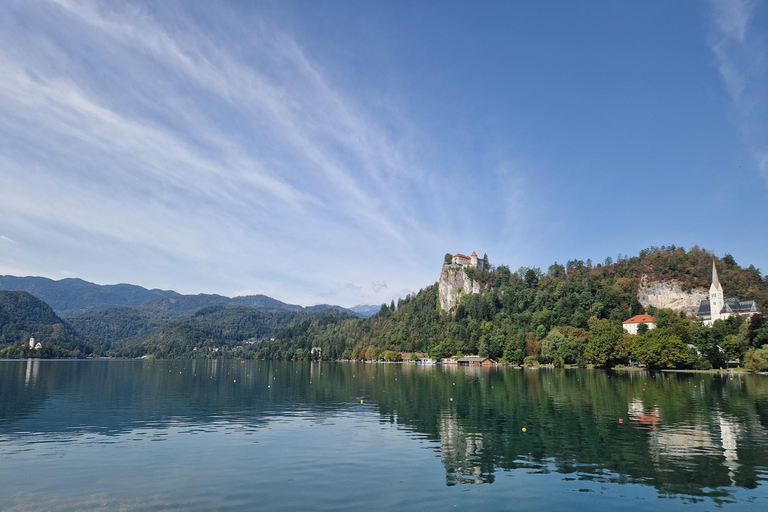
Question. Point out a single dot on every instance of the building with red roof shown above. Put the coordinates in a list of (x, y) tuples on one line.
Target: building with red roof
[(633, 323), (468, 261)]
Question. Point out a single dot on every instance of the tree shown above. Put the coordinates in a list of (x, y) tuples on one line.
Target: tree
[(448, 258), (550, 347), (661, 348), (531, 279), (604, 343), (757, 360)]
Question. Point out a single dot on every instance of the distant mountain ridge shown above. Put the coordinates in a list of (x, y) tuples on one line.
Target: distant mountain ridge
[(71, 297), (76, 315), (366, 310)]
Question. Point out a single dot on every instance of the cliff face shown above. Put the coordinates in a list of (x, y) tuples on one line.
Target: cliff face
[(454, 283), (668, 294)]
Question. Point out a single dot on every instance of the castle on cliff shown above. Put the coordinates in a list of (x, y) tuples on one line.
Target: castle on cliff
[(718, 308), (468, 261)]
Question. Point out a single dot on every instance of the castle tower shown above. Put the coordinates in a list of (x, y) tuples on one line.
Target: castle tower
[(716, 300), (473, 259)]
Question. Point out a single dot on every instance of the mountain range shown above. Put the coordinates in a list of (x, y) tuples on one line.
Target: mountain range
[(74, 314)]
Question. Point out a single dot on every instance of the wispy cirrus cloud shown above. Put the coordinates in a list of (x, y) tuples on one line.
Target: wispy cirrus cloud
[(127, 129), (741, 57)]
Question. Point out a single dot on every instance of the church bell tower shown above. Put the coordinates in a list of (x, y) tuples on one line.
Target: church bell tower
[(716, 301)]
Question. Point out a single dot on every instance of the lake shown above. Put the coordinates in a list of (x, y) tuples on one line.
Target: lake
[(233, 435)]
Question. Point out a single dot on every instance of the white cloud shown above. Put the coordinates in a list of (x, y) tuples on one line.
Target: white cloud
[(7, 240), (377, 286), (740, 59), (137, 141)]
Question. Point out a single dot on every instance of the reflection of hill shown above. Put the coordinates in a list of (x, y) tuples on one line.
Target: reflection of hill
[(680, 439)]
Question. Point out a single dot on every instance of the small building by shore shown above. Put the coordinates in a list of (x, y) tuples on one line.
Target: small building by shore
[(475, 361)]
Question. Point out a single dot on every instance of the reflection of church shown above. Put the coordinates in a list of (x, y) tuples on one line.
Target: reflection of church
[(461, 452), (680, 444)]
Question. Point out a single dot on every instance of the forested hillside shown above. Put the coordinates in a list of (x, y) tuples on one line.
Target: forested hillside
[(569, 314), (219, 331), (23, 316)]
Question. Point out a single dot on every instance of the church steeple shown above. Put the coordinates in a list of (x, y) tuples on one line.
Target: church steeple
[(715, 280)]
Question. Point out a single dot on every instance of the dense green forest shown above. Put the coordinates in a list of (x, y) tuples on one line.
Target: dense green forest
[(23, 316), (570, 314), (221, 331)]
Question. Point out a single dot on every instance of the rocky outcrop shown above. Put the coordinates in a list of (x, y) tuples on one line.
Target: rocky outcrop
[(454, 282), (668, 294)]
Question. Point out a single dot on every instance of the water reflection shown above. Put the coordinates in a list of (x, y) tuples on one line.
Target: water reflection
[(686, 435)]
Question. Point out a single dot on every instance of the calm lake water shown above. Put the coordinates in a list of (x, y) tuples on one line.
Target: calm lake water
[(231, 435)]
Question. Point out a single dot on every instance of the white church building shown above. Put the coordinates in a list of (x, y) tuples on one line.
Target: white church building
[(718, 308)]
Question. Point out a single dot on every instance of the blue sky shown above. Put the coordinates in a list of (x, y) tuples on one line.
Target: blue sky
[(335, 151)]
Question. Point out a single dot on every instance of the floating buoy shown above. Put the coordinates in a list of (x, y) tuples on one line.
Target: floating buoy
[(451, 399), (523, 429), (269, 386), (643, 389), (361, 401), (621, 420), (234, 380)]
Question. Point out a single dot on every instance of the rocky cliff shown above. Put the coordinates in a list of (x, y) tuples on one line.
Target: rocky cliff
[(454, 282), (670, 295)]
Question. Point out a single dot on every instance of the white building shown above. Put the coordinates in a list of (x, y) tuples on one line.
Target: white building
[(719, 308), (633, 323), (468, 261)]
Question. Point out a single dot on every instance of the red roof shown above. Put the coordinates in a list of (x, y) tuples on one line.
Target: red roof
[(474, 253), (641, 319), (459, 255)]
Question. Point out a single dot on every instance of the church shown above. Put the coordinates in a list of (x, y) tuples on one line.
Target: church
[(718, 308)]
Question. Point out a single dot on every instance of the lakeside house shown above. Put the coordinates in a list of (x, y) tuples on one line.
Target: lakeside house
[(634, 323), (718, 308), (475, 361)]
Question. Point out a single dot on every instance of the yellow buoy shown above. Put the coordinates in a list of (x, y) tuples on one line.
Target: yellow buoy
[(235, 380), (361, 401), (523, 429)]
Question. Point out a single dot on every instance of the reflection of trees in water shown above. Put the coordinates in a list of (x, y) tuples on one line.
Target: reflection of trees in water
[(682, 436)]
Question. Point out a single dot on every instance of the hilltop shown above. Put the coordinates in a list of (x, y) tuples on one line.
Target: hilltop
[(23, 316), (570, 313)]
